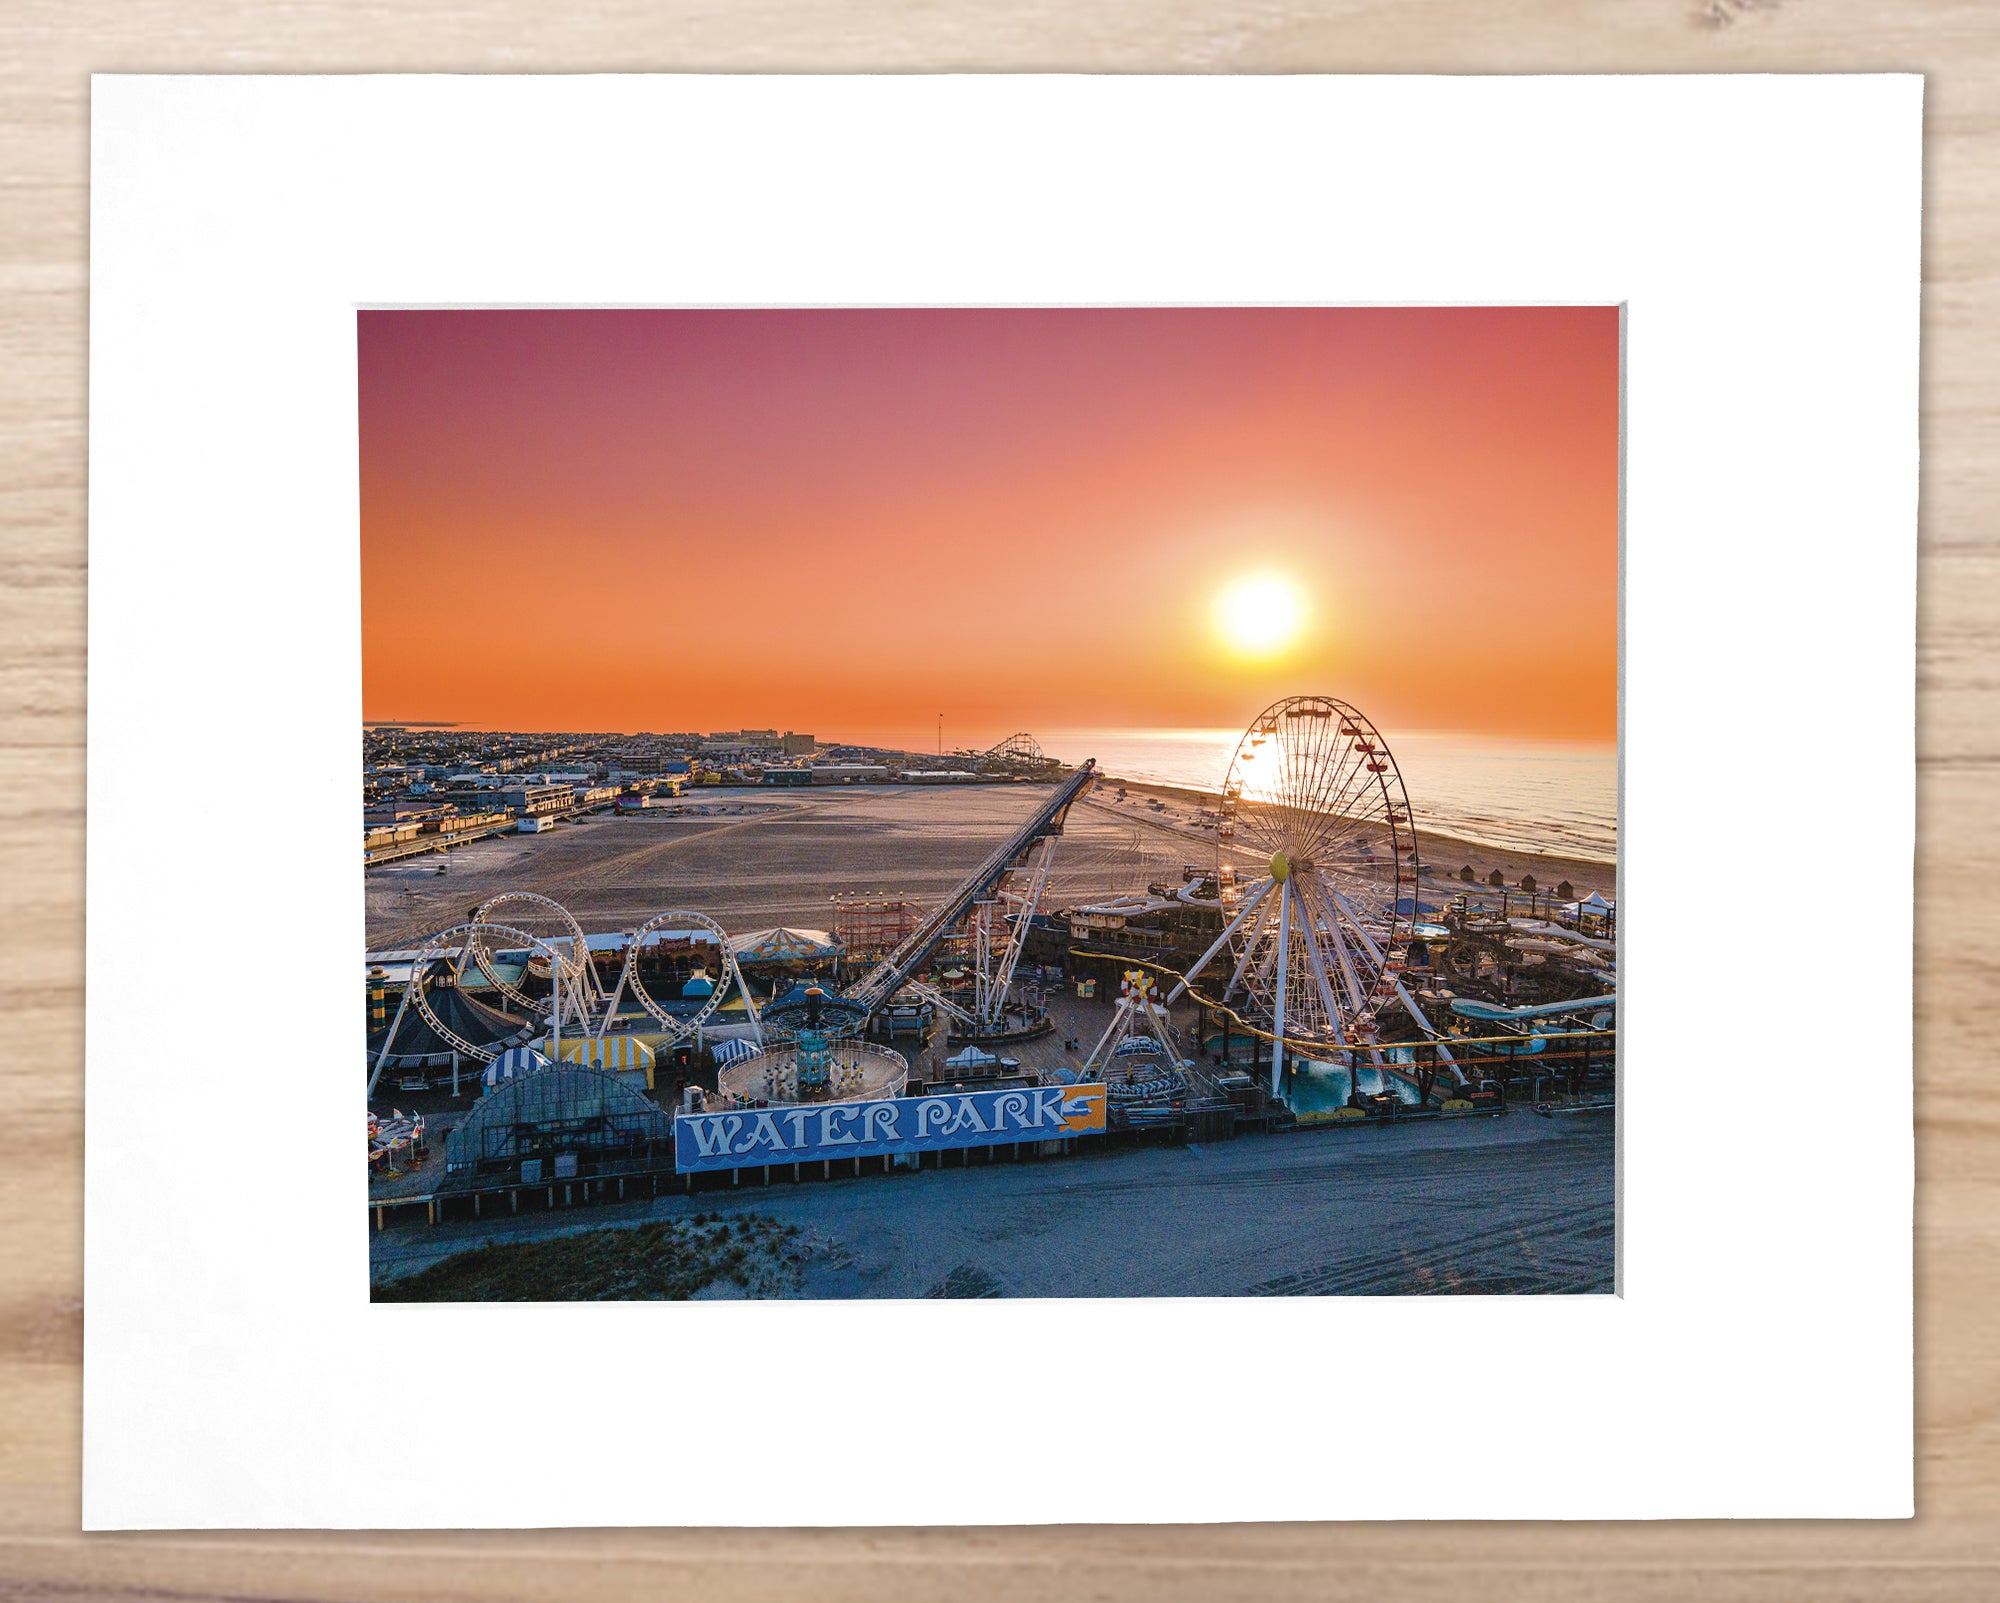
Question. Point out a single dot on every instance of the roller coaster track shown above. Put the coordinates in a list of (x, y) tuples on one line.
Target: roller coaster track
[(1019, 747), (887, 977)]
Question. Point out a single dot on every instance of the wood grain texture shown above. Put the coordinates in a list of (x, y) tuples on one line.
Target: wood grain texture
[(47, 50)]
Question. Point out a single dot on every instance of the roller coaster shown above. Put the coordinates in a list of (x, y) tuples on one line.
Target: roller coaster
[(1020, 747), (890, 975), (519, 935)]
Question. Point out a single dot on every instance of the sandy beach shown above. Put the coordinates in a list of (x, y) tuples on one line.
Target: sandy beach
[(759, 858), (753, 858)]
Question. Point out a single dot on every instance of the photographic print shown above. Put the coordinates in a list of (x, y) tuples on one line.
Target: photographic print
[(985, 802)]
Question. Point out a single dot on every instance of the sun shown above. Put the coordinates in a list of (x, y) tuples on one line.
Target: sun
[(1260, 614)]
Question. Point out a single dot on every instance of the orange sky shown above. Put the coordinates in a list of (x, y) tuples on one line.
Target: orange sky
[(848, 522)]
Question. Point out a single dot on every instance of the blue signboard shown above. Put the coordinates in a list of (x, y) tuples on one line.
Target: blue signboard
[(748, 1137)]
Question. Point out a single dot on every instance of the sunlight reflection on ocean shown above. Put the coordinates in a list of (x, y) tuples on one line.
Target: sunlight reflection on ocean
[(1546, 797)]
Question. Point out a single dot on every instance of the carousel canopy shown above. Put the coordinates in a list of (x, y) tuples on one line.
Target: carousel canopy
[(728, 1052), (782, 945)]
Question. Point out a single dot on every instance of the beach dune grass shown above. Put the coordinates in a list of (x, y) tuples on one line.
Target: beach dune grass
[(748, 1255)]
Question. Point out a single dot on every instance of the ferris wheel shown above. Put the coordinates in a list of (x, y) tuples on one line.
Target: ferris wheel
[(686, 928), (1317, 871)]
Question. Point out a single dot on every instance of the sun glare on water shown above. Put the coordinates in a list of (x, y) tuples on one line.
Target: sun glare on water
[(1260, 614)]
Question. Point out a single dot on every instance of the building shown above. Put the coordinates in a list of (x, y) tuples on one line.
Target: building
[(535, 800), (847, 773), (637, 801), (564, 1123), (404, 810), (798, 745), (454, 822)]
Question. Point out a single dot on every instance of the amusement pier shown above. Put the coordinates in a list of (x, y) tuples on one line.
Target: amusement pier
[(643, 973)]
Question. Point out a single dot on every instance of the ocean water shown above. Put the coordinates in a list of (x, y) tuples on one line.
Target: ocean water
[(1537, 797)]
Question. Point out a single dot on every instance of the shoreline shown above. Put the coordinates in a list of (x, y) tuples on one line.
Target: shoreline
[(1440, 853)]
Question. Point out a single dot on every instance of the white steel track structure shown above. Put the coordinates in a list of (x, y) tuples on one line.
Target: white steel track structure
[(997, 926), (1314, 799), (678, 1028), (896, 968), (1000, 930), (457, 947), (559, 940)]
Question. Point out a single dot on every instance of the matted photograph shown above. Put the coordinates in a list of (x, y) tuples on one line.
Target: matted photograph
[(1125, 731), (990, 802)]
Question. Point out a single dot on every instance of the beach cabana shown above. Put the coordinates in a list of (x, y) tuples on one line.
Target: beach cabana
[(1592, 908)]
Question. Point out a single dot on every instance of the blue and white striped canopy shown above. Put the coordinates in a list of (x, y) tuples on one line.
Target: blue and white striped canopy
[(513, 1063), (728, 1052)]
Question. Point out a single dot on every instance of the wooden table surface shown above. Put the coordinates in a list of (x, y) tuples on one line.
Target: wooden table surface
[(1951, 1550)]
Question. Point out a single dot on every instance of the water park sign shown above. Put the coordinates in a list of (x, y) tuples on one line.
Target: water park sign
[(754, 1136)]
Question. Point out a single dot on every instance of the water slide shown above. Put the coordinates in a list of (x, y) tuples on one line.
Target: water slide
[(1492, 1013), (1556, 932), (886, 978)]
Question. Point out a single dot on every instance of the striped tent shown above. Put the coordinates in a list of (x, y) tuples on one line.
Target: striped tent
[(611, 1053), (513, 1063), (783, 945), (731, 1052)]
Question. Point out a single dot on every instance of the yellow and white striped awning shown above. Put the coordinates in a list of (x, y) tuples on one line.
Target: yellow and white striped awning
[(611, 1053)]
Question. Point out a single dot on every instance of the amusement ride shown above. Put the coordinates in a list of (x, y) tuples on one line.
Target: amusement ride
[(1315, 883), (1314, 800)]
